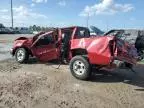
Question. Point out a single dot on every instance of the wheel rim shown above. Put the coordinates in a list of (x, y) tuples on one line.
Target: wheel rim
[(20, 55), (79, 67)]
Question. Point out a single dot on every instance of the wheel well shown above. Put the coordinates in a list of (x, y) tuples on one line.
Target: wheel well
[(76, 52), (27, 49)]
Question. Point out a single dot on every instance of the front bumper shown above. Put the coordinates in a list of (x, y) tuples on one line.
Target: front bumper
[(11, 51)]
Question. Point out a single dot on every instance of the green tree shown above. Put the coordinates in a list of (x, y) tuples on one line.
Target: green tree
[(34, 28), (2, 26)]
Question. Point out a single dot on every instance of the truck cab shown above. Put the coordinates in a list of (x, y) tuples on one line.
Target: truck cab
[(75, 46)]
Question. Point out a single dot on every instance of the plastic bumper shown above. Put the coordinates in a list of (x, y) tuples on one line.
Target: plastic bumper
[(11, 52)]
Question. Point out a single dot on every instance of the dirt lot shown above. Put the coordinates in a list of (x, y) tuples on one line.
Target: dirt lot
[(37, 85)]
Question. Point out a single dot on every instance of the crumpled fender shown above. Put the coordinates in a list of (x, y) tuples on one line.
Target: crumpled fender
[(22, 42), (19, 43), (97, 49), (21, 38)]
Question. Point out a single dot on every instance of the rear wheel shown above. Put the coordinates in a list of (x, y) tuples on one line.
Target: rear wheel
[(21, 55), (80, 67)]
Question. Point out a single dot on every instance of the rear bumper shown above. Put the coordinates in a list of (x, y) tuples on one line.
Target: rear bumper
[(132, 61), (121, 63), (117, 64)]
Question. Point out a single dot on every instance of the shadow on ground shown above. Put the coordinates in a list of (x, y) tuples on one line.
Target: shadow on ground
[(35, 61), (119, 75)]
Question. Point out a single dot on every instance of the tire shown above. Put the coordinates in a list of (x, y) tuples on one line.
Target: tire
[(21, 55), (80, 68)]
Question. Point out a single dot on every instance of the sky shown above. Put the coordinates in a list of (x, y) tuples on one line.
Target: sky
[(105, 14)]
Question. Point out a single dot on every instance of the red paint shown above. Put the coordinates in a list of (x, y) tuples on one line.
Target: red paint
[(46, 53), (97, 47)]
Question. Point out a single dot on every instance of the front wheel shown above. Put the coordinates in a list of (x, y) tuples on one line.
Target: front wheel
[(21, 55), (80, 67)]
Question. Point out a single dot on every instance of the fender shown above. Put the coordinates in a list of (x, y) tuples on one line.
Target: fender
[(97, 48), (22, 42)]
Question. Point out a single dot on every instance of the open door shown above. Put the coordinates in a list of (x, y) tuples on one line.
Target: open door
[(45, 47)]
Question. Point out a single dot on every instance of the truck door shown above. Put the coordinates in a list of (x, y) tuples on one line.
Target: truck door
[(45, 48)]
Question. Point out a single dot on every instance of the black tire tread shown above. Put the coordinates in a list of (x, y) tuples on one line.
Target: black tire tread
[(87, 65), (26, 55)]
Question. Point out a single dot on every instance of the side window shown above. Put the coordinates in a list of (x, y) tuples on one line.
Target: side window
[(45, 40), (82, 33)]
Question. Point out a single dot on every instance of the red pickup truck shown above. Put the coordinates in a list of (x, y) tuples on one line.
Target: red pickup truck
[(78, 48)]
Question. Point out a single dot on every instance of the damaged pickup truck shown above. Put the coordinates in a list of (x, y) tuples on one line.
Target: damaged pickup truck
[(75, 46)]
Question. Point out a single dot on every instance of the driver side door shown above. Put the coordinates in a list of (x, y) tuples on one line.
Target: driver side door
[(45, 48)]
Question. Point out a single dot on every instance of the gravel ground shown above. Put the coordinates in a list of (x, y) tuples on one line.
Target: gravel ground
[(37, 85)]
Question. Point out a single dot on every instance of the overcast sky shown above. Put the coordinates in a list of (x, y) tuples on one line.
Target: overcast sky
[(105, 14)]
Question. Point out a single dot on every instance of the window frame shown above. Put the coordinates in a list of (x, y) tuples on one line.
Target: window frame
[(46, 36), (86, 33)]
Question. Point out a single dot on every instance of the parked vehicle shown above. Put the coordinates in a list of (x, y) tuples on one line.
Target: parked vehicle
[(6, 31), (76, 46), (22, 30)]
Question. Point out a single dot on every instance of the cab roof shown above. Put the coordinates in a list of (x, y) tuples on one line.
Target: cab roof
[(72, 27)]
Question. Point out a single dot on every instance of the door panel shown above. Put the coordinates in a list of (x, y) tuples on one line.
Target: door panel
[(47, 52), (45, 48)]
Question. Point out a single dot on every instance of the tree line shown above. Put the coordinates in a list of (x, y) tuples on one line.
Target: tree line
[(31, 28)]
